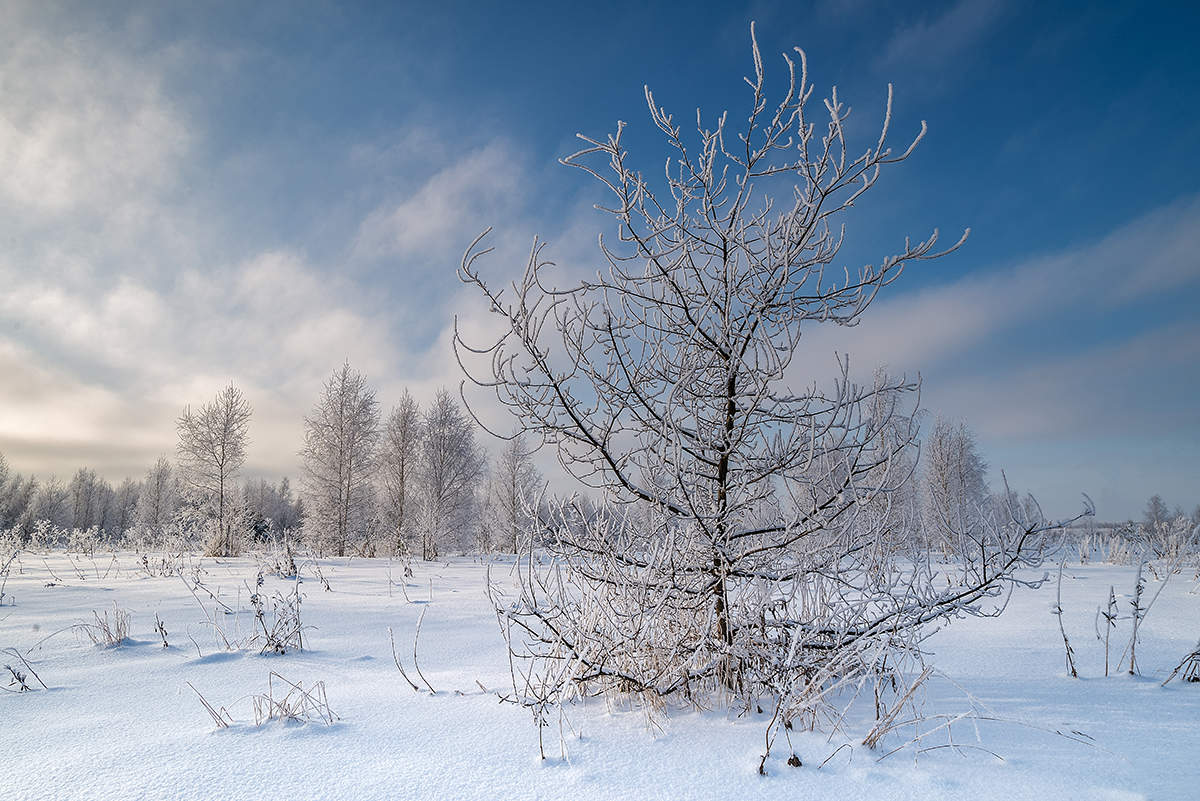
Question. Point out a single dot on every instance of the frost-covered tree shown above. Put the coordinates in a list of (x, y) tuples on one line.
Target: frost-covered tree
[(87, 499), (452, 467), (340, 439), (399, 454), (512, 493), (261, 506), (5, 475), (1156, 513), (7, 490), (270, 508), (18, 503), (53, 504), (158, 499), (17, 499), (211, 452), (955, 498), (123, 516), (669, 378), (291, 511)]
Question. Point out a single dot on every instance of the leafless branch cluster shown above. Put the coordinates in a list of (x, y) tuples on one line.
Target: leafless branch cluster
[(1189, 668), (211, 450)]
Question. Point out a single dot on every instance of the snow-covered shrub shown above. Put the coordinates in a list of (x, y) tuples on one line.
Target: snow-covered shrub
[(85, 541)]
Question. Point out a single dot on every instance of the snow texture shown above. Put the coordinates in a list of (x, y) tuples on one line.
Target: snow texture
[(122, 723)]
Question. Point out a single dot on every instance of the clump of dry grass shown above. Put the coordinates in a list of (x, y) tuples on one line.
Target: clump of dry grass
[(22, 675), (295, 705), (109, 632), (284, 701), (280, 625), (1189, 667)]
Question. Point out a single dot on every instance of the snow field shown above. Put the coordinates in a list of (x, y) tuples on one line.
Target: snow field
[(122, 723)]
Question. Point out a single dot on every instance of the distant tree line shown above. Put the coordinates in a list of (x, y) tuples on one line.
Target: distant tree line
[(416, 481)]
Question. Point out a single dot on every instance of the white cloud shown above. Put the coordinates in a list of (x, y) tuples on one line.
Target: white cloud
[(436, 218), (82, 127)]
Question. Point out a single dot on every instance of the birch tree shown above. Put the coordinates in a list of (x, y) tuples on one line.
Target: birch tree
[(398, 464), (340, 439), (87, 499), (211, 452), (956, 494), (669, 379), (52, 504), (1157, 512), (451, 470), (158, 499), (512, 492), (124, 509)]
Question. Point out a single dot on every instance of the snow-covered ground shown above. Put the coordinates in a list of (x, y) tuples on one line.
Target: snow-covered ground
[(122, 723)]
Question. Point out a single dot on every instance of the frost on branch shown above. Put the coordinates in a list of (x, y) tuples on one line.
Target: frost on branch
[(751, 547)]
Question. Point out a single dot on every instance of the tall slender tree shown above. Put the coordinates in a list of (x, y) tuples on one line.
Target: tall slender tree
[(340, 439), (512, 490), (159, 498), (398, 455), (955, 488), (211, 452), (452, 467)]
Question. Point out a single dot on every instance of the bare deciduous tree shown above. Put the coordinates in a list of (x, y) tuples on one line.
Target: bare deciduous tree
[(956, 494), (52, 504), (398, 456), (89, 499), (665, 380), (124, 508), (211, 451), (1157, 512), (451, 469), (340, 439), (512, 492), (159, 498)]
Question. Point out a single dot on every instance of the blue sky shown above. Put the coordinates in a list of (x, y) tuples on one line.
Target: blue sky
[(193, 193)]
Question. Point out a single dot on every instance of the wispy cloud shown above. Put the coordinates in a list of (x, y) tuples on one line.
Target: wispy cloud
[(1152, 255), (934, 42), (1036, 401), (83, 127), (114, 312)]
